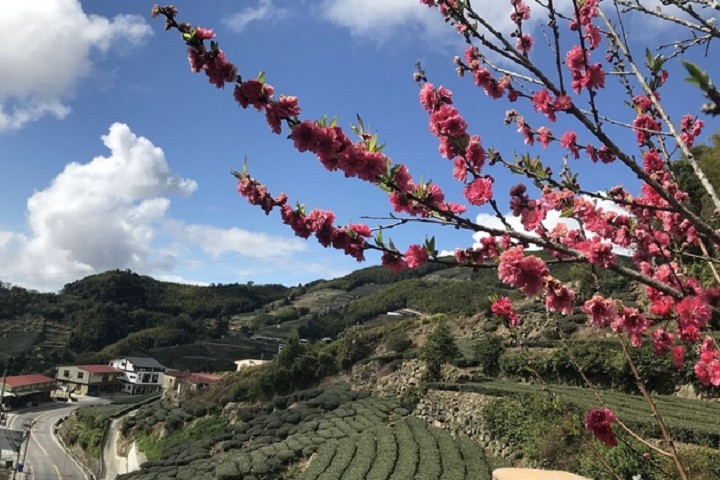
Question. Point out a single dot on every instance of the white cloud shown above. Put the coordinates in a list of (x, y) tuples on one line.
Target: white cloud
[(552, 219), (112, 212), (264, 11), (217, 241), (46, 52), (380, 19)]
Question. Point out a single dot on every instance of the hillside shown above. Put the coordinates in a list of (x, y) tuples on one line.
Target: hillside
[(290, 419), (117, 313), (121, 312)]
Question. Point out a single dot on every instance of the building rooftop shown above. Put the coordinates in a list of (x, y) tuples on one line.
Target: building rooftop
[(98, 368), (23, 380), (144, 362)]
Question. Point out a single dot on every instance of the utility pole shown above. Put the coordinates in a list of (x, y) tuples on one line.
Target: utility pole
[(20, 464), (3, 413)]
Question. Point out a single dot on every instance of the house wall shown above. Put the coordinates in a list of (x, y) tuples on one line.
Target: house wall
[(83, 382), (138, 381)]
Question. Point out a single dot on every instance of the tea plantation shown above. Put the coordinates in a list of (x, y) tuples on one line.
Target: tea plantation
[(689, 421), (409, 449), (338, 433)]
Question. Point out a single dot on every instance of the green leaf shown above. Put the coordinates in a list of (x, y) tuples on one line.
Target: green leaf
[(648, 58), (567, 213), (430, 245), (261, 77), (360, 122), (372, 143), (697, 76), (379, 238)]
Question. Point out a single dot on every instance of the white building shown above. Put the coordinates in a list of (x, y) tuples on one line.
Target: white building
[(140, 375)]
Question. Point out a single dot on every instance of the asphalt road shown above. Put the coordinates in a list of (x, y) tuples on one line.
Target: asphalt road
[(46, 459)]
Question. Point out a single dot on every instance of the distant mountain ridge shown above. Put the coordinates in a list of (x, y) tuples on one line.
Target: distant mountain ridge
[(120, 312)]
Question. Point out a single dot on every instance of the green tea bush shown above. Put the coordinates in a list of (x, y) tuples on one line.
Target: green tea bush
[(429, 464), (408, 453), (321, 462), (344, 455), (453, 466), (384, 462), (363, 459)]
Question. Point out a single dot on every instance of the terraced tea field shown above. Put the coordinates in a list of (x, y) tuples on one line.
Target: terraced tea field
[(407, 450), (691, 421)]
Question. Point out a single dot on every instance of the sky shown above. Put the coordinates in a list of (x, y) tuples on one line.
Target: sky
[(115, 156)]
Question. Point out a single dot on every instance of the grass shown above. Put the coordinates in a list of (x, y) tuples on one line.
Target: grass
[(153, 447)]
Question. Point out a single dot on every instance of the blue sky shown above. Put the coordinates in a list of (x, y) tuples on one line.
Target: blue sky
[(114, 155)]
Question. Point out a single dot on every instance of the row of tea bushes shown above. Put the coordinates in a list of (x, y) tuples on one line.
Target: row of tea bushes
[(407, 450)]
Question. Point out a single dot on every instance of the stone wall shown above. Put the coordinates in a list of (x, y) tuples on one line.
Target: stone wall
[(393, 379), (460, 413)]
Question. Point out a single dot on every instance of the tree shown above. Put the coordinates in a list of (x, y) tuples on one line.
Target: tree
[(487, 352), (439, 348), (561, 77)]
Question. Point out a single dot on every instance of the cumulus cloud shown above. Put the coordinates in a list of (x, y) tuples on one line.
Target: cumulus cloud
[(112, 212), (217, 241), (264, 11), (47, 51), (379, 19)]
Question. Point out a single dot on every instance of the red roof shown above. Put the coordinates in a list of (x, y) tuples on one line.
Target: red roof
[(22, 380), (98, 368)]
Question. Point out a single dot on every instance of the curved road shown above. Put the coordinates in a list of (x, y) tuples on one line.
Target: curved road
[(46, 459)]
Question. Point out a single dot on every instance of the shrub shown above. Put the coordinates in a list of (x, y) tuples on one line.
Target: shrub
[(353, 345), (487, 352), (701, 463), (398, 341), (525, 421), (628, 459)]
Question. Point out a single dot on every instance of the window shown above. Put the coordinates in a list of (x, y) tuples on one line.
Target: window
[(66, 373), (81, 375), (155, 378)]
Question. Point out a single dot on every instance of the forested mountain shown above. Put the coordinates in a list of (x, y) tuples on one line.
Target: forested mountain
[(39, 329), (121, 312)]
